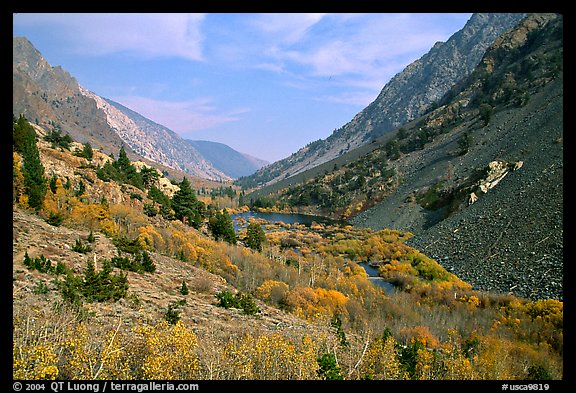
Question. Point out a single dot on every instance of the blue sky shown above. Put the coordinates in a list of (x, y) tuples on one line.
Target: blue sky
[(264, 84)]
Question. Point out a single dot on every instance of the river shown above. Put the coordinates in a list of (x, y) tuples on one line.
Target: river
[(375, 278), (305, 219)]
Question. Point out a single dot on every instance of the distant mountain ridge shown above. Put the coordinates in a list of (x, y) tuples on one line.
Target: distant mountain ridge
[(406, 96), (228, 160), (51, 97)]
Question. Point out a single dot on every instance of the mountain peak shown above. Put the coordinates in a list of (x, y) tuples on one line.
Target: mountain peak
[(51, 97), (406, 96)]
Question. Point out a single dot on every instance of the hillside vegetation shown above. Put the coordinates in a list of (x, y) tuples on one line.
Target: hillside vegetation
[(118, 273)]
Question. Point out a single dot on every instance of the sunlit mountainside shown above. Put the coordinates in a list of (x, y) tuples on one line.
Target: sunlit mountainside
[(444, 259)]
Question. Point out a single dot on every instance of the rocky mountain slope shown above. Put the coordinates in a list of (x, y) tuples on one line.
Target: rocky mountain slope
[(51, 97), (509, 237), (406, 96), (154, 141)]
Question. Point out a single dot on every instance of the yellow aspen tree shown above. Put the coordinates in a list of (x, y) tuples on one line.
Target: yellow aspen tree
[(34, 359), (425, 369), (149, 238), (18, 190), (169, 351), (272, 291), (307, 366), (95, 355), (381, 360), (239, 354), (458, 366)]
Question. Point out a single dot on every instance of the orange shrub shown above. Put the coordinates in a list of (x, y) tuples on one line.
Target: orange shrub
[(272, 291), (420, 333)]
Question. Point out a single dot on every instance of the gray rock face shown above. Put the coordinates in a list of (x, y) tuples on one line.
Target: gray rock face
[(410, 93), (156, 142), (406, 96)]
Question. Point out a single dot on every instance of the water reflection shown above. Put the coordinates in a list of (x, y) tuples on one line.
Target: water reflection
[(241, 219)]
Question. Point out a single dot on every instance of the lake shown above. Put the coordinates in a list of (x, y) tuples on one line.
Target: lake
[(286, 218)]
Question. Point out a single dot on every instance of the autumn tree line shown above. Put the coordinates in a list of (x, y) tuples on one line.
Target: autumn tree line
[(434, 326)]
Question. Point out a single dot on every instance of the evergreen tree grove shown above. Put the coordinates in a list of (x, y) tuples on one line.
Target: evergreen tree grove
[(35, 184)]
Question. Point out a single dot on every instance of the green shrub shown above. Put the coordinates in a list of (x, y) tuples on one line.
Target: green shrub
[(243, 301), (140, 262), (55, 219), (79, 247), (329, 368), (94, 286), (172, 314)]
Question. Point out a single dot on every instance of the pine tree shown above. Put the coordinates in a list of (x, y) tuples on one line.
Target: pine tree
[(255, 236), (485, 113), (122, 163), (86, 152), (35, 184), (184, 289), (329, 368), (186, 206), (222, 227), (90, 284), (147, 263), (21, 132)]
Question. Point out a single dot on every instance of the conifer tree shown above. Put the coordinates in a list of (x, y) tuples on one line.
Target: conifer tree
[(147, 263), (255, 236), (222, 227), (186, 206), (35, 184), (122, 163), (184, 289)]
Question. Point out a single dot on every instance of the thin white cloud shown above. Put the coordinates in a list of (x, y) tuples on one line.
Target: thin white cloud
[(182, 117), (146, 35), (276, 68), (286, 28), (361, 49)]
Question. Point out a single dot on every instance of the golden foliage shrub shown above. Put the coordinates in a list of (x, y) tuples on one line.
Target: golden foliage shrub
[(381, 360), (269, 357), (313, 303), (272, 291), (92, 354), (420, 333), (167, 351)]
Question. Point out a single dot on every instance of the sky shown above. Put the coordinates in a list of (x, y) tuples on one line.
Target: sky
[(264, 84)]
